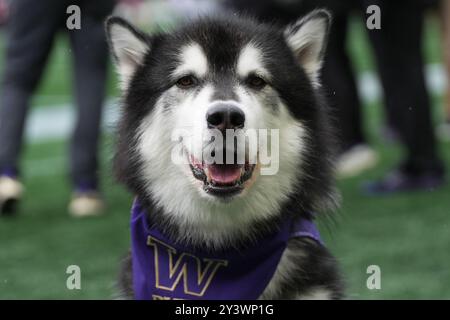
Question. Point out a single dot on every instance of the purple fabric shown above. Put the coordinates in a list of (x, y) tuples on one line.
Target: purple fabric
[(9, 172), (165, 270), (303, 228), (86, 187)]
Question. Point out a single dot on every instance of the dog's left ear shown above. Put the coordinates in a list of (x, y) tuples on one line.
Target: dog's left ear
[(307, 38), (129, 47)]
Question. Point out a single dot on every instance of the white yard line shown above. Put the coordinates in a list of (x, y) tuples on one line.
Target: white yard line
[(56, 122)]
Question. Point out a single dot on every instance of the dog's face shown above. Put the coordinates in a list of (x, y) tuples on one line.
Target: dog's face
[(185, 91)]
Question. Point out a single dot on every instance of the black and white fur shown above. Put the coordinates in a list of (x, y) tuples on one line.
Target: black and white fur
[(222, 52)]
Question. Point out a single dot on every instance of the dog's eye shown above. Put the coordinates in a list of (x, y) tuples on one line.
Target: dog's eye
[(187, 82), (256, 82)]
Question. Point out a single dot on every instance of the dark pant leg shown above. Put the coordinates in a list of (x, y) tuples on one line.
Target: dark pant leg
[(90, 64), (398, 49), (340, 84), (30, 34)]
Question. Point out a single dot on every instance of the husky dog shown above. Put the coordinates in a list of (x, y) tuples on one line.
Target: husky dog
[(225, 72)]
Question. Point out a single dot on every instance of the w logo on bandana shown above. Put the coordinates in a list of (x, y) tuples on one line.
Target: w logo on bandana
[(174, 269)]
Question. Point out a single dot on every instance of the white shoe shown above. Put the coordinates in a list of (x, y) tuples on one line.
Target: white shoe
[(86, 205), (356, 160), (11, 191)]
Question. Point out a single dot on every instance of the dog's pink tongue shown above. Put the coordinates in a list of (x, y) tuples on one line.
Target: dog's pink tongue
[(224, 174)]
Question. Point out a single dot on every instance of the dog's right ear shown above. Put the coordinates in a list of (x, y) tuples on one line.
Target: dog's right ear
[(307, 39), (128, 45)]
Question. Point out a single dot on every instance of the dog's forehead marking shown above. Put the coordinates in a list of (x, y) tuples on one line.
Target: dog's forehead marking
[(192, 60), (251, 60)]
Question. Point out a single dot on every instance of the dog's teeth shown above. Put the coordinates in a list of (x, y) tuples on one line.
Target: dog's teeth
[(208, 175)]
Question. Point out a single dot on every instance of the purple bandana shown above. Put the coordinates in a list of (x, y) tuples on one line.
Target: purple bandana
[(163, 270)]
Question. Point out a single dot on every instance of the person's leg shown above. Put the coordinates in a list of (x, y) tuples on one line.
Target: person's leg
[(398, 49), (339, 81), (90, 70), (31, 29), (30, 36), (90, 64)]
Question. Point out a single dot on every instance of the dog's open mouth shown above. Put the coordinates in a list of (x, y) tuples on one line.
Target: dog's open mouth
[(222, 180)]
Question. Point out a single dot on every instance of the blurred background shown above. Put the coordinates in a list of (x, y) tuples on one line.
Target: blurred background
[(389, 93)]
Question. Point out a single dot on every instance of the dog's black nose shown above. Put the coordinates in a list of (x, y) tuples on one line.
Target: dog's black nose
[(224, 117)]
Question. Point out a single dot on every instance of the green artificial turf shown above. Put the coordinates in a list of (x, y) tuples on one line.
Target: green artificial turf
[(407, 236), (37, 246)]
